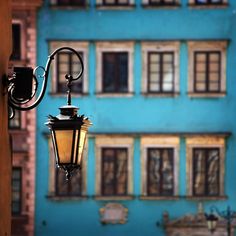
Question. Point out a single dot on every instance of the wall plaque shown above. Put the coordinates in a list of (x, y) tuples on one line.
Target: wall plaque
[(113, 213)]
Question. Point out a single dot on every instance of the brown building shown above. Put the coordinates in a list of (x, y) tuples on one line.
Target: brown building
[(22, 127)]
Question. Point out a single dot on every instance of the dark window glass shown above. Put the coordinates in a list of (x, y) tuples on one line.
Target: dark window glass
[(116, 2), (160, 172), (207, 72), (114, 171), (162, 2), (73, 187), (115, 72), (206, 171), (16, 42), (16, 190), (68, 63), (205, 2), (71, 2), (15, 123), (160, 72)]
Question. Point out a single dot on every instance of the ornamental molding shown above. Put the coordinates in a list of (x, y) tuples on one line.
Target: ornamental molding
[(113, 213)]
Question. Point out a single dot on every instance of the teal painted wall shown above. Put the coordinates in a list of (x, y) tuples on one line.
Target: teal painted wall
[(149, 115)]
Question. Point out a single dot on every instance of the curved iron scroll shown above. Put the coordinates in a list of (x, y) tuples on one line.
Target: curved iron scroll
[(21, 104)]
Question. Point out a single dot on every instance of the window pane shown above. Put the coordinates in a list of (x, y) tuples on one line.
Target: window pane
[(115, 72), (167, 170), (207, 71), (68, 188), (16, 190), (208, 1), (213, 172), (162, 2), (15, 123), (16, 42), (160, 171), (114, 171), (206, 171), (161, 70), (68, 63), (199, 171), (71, 2)]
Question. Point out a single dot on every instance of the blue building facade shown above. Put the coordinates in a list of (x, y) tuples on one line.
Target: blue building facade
[(159, 89)]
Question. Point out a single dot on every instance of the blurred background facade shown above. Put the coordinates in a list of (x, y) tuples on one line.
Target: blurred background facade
[(159, 88)]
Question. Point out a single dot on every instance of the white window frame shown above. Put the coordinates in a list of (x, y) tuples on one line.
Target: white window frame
[(158, 141), (161, 46), (204, 142), (79, 47), (107, 141), (195, 46), (52, 174), (102, 47)]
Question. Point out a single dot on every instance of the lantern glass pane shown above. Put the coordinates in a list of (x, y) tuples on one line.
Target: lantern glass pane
[(81, 144), (212, 225), (64, 139)]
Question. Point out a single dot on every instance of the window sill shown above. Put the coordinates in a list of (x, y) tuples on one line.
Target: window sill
[(156, 6), (151, 198), (109, 198), (115, 7), (174, 94), (205, 198), (208, 6), (66, 198), (207, 95), (118, 95), (54, 94)]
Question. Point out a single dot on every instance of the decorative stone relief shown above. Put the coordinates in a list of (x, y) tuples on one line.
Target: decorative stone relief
[(193, 225), (113, 213)]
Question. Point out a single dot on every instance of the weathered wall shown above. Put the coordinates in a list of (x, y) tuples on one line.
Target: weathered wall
[(5, 156), (135, 114)]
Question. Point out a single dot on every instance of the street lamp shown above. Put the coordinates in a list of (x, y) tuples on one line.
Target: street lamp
[(68, 130), (212, 219)]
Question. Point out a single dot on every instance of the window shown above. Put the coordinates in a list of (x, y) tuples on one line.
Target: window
[(115, 72), (160, 3), (115, 4), (68, 63), (59, 187), (15, 123), (160, 171), (16, 190), (206, 170), (207, 72), (114, 171), (160, 72), (205, 166), (16, 42), (208, 3), (80, 3), (114, 68), (68, 188), (207, 69), (114, 167), (160, 68), (159, 163)]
